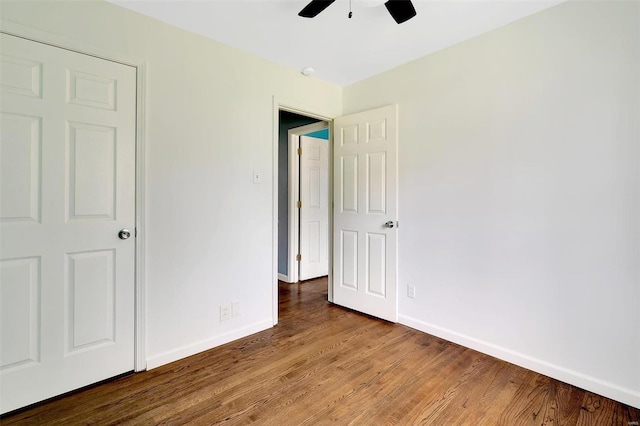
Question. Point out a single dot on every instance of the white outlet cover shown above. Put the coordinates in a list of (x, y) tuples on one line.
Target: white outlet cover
[(225, 312), (411, 292)]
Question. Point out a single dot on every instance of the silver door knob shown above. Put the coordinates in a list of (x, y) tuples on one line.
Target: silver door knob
[(124, 234), (389, 224)]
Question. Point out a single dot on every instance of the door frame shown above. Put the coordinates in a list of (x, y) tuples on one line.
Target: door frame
[(306, 110), (293, 142), (140, 64)]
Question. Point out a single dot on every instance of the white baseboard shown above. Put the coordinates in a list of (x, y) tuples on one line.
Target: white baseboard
[(601, 387), (283, 277), (204, 345)]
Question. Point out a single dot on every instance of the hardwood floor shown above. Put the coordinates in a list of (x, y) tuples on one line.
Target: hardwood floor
[(327, 365)]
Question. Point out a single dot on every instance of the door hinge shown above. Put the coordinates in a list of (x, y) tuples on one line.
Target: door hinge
[(299, 151), (298, 257), (299, 204)]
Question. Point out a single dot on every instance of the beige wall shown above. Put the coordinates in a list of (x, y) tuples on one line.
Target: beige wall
[(210, 124), (519, 171)]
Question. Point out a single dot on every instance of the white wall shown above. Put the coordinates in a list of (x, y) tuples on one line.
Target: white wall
[(210, 124), (519, 167)]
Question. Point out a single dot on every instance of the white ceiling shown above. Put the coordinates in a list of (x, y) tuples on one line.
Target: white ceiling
[(341, 50)]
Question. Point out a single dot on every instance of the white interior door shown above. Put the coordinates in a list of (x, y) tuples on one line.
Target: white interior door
[(67, 187), (365, 212), (314, 207)]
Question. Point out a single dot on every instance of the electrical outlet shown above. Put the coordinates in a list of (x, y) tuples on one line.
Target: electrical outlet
[(411, 291), (225, 312), (235, 309)]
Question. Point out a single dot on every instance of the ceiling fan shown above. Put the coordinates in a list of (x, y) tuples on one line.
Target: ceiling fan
[(400, 10)]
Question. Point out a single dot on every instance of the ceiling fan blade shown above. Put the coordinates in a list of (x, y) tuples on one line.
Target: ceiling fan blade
[(401, 10), (315, 7)]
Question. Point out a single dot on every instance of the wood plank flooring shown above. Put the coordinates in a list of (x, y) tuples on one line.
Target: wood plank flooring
[(327, 365)]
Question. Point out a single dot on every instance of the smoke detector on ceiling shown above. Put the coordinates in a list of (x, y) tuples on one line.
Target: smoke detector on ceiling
[(308, 71)]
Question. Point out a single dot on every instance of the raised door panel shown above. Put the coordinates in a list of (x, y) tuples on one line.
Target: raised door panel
[(312, 252), (20, 76), (376, 261), (376, 183), (377, 130), (20, 283), (349, 259), (90, 305), (315, 185), (91, 178), (20, 167), (96, 91), (349, 184), (349, 135)]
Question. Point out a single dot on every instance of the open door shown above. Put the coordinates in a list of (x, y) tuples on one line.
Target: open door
[(365, 212), (308, 200), (314, 207)]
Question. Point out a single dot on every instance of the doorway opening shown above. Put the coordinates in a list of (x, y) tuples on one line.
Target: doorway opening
[(303, 197), (363, 178)]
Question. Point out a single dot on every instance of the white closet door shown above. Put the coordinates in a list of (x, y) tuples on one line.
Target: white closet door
[(67, 187)]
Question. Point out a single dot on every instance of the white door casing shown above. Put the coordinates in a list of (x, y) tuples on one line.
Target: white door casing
[(365, 198), (67, 186), (314, 207)]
